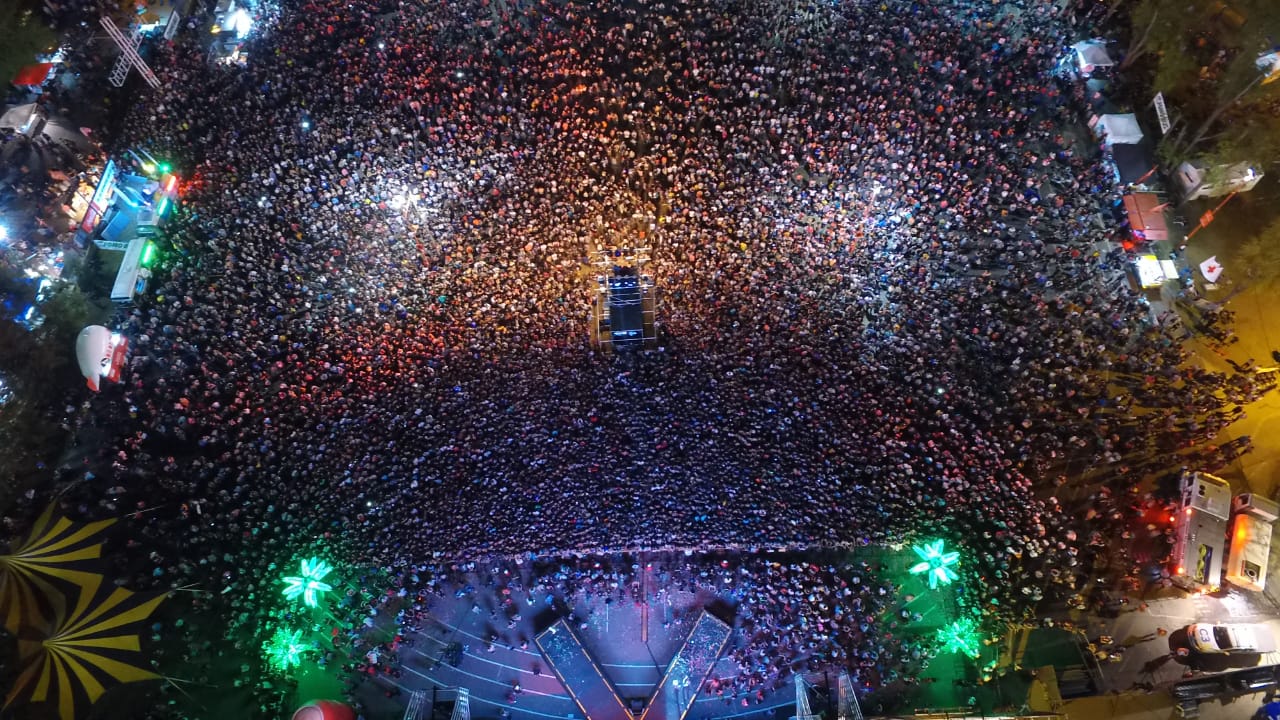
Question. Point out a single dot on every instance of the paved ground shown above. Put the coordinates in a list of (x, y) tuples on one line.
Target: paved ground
[(1257, 322), (1148, 659), (1158, 706)]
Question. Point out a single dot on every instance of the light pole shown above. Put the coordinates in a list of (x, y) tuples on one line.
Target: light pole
[(1208, 216)]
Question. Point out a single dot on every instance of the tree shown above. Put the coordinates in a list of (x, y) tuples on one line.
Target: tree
[(40, 371), (1206, 64), (1155, 26), (22, 37), (1260, 255)]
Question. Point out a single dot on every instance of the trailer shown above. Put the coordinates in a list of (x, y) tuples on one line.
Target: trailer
[(1201, 531)]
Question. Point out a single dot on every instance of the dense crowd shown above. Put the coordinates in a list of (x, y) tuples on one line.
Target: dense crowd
[(889, 304)]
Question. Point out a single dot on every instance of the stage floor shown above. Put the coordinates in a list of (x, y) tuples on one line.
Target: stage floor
[(581, 676), (633, 644), (687, 672)]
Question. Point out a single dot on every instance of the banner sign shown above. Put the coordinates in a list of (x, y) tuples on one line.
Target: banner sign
[(1162, 114)]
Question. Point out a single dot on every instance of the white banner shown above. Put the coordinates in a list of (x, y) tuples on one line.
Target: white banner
[(1162, 114), (171, 28)]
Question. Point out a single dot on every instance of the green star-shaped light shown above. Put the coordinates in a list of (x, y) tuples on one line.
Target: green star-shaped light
[(309, 585), (936, 562), (284, 649), (960, 637)]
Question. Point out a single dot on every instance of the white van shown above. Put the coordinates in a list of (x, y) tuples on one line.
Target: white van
[(1231, 638)]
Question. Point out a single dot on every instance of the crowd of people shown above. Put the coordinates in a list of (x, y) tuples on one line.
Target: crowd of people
[(888, 306)]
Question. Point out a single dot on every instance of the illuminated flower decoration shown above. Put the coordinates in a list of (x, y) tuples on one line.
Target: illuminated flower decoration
[(284, 649), (310, 584), (936, 562), (960, 637)]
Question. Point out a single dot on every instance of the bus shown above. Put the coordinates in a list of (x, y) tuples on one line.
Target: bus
[(1201, 531)]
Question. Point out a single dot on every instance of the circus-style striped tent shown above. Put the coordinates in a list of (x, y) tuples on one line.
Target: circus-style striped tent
[(88, 647), (53, 562), (76, 631)]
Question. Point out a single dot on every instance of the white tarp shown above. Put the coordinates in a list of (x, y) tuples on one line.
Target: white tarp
[(1092, 54), (20, 118), (1120, 129), (26, 119)]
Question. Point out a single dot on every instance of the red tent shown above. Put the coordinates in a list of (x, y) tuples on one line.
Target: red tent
[(33, 74), (1146, 217)]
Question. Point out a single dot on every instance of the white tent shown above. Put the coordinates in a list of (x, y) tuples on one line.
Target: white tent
[(1211, 269), (1092, 54), (1119, 129)]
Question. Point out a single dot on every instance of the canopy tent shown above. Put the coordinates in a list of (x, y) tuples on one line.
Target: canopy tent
[(1211, 269), (1146, 217), (86, 648), (33, 75), (1134, 164), (55, 553), (1091, 54), (1119, 129), (1153, 272)]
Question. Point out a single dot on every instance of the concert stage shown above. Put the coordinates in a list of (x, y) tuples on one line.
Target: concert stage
[(688, 670), (580, 673), (598, 698)]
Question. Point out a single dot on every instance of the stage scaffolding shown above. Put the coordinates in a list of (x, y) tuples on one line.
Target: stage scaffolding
[(624, 307)]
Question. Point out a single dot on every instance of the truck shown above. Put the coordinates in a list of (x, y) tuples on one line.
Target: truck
[(1200, 531), (1249, 545)]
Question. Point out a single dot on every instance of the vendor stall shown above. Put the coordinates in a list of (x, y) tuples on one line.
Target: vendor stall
[(1146, 217), (1152, 272), (1090, 56), (1117, 129)]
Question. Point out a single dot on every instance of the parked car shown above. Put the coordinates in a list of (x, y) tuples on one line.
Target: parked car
[(1230, 638)]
